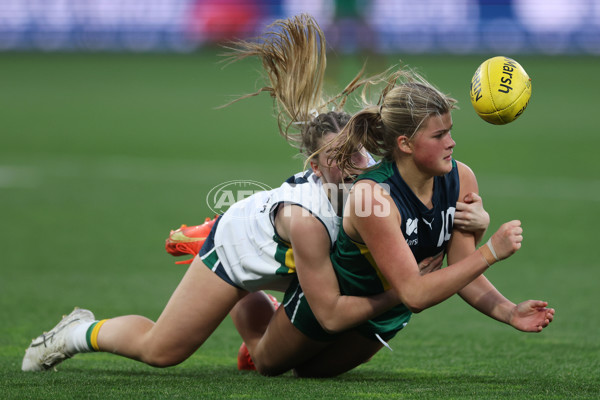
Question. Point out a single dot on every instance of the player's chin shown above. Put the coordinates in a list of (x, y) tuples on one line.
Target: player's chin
[(446, 166)]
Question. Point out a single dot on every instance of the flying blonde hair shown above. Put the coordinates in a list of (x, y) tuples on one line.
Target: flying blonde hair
[(293, 55)]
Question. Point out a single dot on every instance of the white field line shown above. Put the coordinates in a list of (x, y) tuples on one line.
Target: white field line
[(192, 172), (504, 186), (12, 176), (130, 169)]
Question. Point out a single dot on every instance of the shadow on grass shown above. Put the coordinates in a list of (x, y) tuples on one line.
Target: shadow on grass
[(205, 381)]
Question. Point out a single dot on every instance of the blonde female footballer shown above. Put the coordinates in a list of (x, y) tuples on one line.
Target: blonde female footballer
[(252, 246), (397, 214)]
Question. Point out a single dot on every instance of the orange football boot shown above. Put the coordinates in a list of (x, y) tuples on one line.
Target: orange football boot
[(188, 239), (245, 362)]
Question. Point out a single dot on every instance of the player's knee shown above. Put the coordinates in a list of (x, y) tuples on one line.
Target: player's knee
[(266, 369), (267, 365), (160, 356), (162, 359), (338, 366)]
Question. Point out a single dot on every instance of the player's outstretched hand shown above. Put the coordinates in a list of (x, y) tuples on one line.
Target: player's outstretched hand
[(507, 239), (531, 316)]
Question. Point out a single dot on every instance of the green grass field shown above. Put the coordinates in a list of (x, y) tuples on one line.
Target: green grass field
[(101, 155)]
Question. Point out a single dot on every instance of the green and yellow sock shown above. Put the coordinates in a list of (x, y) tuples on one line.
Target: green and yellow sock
[(91, 335), (84, 338)]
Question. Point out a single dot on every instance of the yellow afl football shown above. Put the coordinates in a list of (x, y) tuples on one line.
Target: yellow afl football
[(500, 90)]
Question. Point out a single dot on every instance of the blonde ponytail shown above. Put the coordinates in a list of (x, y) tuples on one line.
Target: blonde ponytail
[(293, 55), (404, 104)]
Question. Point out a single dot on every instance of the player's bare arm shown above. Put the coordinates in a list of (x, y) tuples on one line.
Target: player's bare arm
[(529, 316), (383, 237), (312, 245)]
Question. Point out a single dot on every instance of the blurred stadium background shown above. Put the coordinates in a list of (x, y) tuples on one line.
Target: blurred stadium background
[(449, 26)]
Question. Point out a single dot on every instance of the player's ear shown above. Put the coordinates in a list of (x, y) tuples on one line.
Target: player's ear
[(315, 168), (404, 144)]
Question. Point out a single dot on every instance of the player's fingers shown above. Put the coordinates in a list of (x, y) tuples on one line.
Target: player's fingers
[(538, 304), (425, 263), (437, 261), (519, 238), (515, 223), (460, 206), (472, 197), (475, 197)]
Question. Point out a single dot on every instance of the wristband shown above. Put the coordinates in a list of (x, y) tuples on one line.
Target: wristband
[(487, 254), (491, 247)]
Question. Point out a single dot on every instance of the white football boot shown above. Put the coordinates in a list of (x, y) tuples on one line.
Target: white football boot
[(50, 348)]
